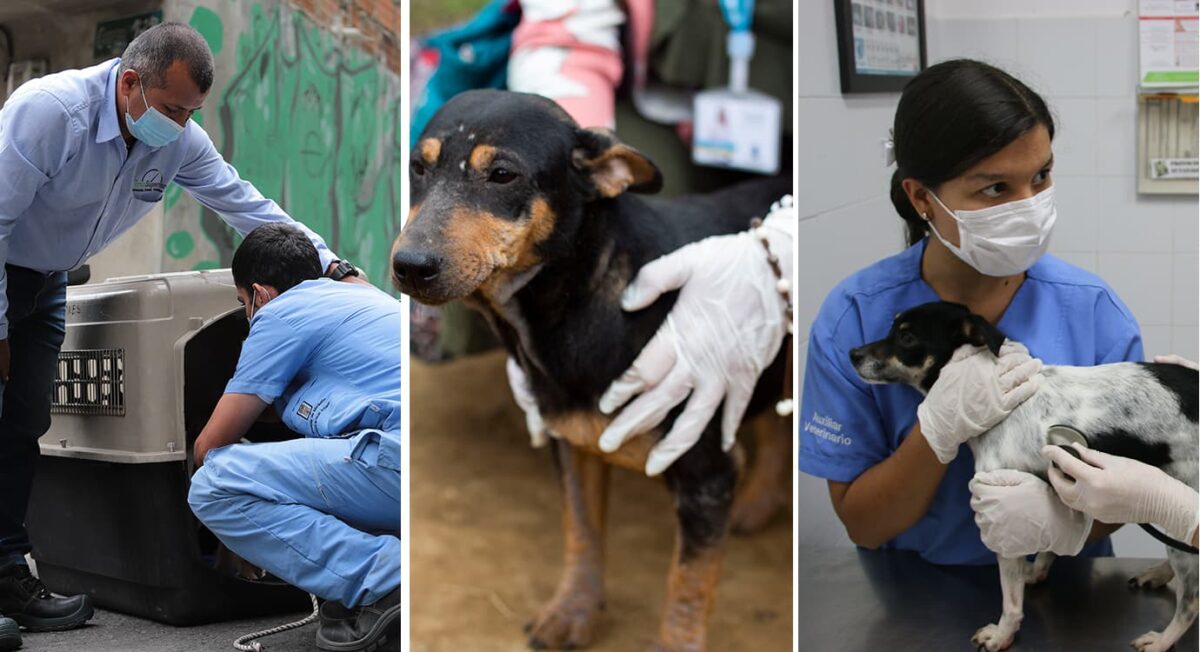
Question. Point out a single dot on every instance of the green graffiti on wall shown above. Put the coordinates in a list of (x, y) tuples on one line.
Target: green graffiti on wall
[(208, 23), (313, 125)]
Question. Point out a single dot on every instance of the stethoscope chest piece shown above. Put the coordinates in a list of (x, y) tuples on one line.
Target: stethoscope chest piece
[(1064, 436)]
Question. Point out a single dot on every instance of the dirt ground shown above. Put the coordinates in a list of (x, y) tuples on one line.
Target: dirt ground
[(486, 540)]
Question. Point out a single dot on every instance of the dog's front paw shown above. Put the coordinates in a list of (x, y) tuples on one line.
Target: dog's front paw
[(565, 623), (992, 638), (1149, 642)]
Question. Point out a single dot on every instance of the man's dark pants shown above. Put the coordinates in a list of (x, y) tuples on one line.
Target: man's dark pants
[(36, 327)]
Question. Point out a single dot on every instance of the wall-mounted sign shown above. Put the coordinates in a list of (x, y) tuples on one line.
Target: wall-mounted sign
[(881, 43), (1168, 42)]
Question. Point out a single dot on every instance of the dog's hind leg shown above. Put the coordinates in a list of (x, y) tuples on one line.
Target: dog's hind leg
[(567, 621), (1184, 565), (1036, 571), (1154, 577), (768, 485), (703, 481), (1012, 587)]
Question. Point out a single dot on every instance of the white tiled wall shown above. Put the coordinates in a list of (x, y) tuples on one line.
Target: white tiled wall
[(846, 218), (1082, 57)]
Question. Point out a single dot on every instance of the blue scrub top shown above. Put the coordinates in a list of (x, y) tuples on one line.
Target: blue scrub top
[(1064, 315), (327, 355)]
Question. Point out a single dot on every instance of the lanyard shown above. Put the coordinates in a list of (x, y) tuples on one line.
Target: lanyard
[(738, 14), (739, 45)]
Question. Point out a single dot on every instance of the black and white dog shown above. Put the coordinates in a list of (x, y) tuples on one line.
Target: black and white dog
[(1143, 411)]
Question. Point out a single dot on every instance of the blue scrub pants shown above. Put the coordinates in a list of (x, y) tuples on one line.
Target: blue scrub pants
[(320, 514), (36, 328)]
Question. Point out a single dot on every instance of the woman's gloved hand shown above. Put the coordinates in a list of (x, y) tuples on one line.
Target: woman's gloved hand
[(974, 392), (724, 329), (1119, 490), (1019, 514), (524, 397)]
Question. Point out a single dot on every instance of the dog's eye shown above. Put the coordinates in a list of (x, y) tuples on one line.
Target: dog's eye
[(906, 339), (501, 176), (417, 168)]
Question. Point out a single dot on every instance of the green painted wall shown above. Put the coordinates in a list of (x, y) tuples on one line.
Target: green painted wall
[(312, 122)]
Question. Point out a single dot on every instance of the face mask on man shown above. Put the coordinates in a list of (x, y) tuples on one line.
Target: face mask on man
[(253, 299), (153, 128), (1002, 240)]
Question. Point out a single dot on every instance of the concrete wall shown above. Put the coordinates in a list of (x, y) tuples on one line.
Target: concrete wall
[(309, 114), (1082, 56), (65, 38)]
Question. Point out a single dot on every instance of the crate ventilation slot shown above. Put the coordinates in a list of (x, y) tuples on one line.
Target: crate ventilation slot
[(90, 382)]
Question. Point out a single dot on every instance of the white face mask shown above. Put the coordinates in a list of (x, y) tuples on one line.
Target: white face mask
[(253, 308), (1003, 240)]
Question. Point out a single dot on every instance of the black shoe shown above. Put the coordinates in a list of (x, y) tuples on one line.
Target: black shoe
[(10, 634), (373, 628), (26, 600), (332, 611)]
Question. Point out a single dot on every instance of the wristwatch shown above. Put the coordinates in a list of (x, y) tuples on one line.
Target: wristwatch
[(342, 269)]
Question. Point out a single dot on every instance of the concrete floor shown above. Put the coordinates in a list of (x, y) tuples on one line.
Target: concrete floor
[(487, 540), (113, 632)]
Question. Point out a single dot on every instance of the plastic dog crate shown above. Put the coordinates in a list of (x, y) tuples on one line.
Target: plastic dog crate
[(144, 362)]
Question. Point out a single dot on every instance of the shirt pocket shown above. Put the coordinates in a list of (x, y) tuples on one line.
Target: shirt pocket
[(375, 448)]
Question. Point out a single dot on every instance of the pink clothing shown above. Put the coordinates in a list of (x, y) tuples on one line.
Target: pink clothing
[(570, 51)]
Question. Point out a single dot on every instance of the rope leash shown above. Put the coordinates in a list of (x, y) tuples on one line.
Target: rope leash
[(244, 644)]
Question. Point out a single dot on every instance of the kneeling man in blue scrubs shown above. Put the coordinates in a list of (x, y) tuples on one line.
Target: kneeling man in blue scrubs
[(321, 512)]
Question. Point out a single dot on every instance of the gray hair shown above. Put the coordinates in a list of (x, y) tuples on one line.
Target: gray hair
[(156, 49)]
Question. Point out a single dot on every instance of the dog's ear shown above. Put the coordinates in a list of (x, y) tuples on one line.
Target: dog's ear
[(980, 332), (612, 166)]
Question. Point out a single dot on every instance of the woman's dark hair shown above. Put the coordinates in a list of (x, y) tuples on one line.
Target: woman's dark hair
[(951, 116), (276, 254)]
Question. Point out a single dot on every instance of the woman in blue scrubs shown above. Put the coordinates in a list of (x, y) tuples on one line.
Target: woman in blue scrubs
[(973, 185)]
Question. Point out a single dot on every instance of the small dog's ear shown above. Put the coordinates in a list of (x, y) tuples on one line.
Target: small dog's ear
[(612, 166), (980, 332)]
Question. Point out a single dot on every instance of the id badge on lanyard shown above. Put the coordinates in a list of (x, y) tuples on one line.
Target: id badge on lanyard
[(737, 127)]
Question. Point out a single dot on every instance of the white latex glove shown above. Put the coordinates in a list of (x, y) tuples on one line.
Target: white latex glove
[(1120, 490), (524, 397), (1019, 514), (724, 329), (1177, 359), (974, 392)]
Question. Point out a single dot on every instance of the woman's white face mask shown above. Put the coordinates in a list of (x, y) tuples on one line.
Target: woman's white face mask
[(1002, 240)]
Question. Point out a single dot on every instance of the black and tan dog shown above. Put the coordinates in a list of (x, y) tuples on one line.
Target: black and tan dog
[(525, 216)]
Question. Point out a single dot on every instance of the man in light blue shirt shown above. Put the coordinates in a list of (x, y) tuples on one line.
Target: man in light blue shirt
[(85, 154), (322, 512)]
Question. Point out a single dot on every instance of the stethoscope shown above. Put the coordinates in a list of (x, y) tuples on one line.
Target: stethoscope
[(1063, 436)]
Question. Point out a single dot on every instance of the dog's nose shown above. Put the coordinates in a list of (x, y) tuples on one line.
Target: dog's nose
[(414, 266)]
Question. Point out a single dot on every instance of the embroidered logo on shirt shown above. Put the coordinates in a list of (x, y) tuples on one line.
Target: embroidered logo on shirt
[(150, 186), (305, 410)]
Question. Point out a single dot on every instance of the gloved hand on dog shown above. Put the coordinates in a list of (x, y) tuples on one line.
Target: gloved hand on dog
[(726, 326), (519, 385), (1120, 490), (1018, 514), (974, 392)]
